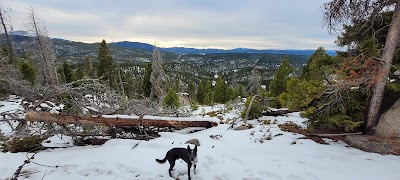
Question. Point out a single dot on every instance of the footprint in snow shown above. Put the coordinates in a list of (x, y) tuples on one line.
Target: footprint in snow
[(261, 175), (304, 176), (270, 175), (295, 177), (226, 157)]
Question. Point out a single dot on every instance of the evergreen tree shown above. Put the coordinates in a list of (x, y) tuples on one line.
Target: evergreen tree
[(88, 67), (230, 93), (146, 87), (208, 98), (281, 76), (339, 13), (191, 90), (220, 95), (171, 100), (300, 93), (78, 74), (200, 94), (67, 73), (318, 66), (208, 92), (106, 68), (28, 72), (240, 91)]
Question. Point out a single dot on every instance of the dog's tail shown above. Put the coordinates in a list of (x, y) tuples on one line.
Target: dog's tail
[(162, 161)]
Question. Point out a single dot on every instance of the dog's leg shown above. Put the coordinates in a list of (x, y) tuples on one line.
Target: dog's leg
[(171, 166), (194, 168), (189, 166)]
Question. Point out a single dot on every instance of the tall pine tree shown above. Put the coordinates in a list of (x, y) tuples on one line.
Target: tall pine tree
[(318, 66), (88, 67), (220, 95), (200, 92), (281, 76), (106, 68)]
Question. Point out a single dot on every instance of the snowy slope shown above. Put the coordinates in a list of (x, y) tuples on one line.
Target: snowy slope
[(236, 155)]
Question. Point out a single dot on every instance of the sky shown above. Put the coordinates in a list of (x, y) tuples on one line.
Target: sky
[(224, 24)]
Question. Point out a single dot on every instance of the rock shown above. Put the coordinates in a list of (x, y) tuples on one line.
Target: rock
[(389, 122), (193, 141), (241, 128), (397, 73), (374, 144)]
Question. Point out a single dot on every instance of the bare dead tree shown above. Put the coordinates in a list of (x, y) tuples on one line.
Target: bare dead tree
[(143, 106), (89, 95), (42, 51), (254, 81), (234, 81), (339, 12), (157, 78), (5, 21)]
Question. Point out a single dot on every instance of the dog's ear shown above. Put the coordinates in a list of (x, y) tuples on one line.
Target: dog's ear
[(195, 148), (188, 148)]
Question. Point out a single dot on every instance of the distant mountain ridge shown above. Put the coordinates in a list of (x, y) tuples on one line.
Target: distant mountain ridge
[(183, 50)]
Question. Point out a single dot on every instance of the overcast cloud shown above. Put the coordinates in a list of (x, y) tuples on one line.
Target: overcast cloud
[(259, 24)]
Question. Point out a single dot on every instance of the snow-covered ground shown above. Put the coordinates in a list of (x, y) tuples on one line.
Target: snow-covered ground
[(235, 155)]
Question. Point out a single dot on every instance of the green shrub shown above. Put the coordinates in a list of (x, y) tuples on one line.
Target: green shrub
[(256, 108), (348, 118), (171, 100), (194, 105), (300, 93)]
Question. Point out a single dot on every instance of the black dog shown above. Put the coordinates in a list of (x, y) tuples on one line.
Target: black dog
[(188, 155)]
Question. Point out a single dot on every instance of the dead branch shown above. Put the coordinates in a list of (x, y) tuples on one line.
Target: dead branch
[(18, 171), (341, 134)]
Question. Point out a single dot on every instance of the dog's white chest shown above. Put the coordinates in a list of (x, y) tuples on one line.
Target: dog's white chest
[(194, 161)]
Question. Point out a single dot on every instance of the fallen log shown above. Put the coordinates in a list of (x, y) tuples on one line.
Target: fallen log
[(278, 112), (120, 120)]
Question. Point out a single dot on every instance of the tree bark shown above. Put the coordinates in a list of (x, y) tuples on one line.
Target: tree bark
[(8, 38), (118, 122), (378, 90)]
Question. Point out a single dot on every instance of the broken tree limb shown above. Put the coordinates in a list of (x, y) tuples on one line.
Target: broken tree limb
[(119, 121), (341, 134), (278, 112)]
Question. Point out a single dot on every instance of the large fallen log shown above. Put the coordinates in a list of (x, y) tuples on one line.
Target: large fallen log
[(120, 120)]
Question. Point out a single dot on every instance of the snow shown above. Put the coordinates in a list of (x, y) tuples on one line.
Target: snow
[(235, 155), (11, 105), (58, 140)]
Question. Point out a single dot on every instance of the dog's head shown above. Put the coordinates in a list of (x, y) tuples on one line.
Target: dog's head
[(192, 153)]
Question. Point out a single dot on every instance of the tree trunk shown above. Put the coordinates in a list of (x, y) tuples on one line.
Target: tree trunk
[(378, 90), (8, 38), (115, 121)]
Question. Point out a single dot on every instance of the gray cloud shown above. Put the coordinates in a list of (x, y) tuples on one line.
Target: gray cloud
[(261, 24)]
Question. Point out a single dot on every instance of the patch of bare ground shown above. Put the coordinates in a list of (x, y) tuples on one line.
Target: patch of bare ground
[(381, 145)]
